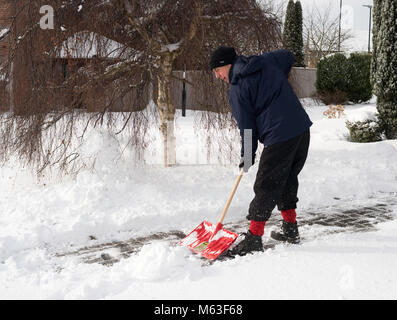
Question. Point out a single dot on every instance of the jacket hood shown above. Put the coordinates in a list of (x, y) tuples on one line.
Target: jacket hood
[(244, 66)]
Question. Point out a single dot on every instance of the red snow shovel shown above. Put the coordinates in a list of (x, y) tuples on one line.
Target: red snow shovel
[(208, 240)]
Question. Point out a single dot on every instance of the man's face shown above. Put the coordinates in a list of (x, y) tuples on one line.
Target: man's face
[(222, 72)]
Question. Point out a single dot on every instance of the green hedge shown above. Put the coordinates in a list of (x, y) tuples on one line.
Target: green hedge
[(341, 79), (331, 78), (359, 88)]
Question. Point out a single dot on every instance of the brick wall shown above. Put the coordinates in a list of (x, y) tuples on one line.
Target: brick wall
[(4, 97), (6, 12)]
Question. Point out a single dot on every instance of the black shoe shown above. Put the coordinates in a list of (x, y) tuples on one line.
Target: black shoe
[(250, 243), (289, 233)]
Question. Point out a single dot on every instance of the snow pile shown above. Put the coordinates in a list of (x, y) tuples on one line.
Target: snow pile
[(116, 200), (159, 261), (362, 114)]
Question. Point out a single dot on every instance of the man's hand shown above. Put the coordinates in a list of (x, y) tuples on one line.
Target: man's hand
[(248, 165)]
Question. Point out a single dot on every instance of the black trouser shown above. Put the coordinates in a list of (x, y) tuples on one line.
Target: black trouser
[(277, 177)]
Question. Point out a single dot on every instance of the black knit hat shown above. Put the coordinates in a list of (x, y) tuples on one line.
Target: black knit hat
[(222, 57)]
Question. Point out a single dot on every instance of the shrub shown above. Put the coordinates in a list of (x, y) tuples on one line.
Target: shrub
[(331, 79), (341, 79), (364, 131), (359, 88)]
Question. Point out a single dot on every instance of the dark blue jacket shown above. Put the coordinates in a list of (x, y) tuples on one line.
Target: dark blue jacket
[(262, 99)]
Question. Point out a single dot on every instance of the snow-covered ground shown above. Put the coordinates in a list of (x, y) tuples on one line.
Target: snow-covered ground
[(119, 201)]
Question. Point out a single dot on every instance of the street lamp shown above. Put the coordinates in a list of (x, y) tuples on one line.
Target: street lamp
[(369, 27)]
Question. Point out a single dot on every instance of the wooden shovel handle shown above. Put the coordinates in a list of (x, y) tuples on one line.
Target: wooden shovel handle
[(231, 196)]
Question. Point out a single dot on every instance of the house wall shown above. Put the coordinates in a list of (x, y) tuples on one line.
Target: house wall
[(302, 80), (6, 12)]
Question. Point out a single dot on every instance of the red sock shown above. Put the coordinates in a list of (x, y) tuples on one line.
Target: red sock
[(257, 228), (289, 215)]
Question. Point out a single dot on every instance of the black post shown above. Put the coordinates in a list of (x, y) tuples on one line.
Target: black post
[(184, 95)]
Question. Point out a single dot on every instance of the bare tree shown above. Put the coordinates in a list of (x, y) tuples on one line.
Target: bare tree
[(321, 33), (120, 54)]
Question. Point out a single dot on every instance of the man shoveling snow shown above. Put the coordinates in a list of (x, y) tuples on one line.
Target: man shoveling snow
[(263, 102)]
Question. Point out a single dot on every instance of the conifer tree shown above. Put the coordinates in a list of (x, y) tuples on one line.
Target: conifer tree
[(288, 33), (298, 41), (384, 64), (293, 28)]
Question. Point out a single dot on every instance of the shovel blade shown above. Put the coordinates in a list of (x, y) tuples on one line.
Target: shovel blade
[(198, 240)]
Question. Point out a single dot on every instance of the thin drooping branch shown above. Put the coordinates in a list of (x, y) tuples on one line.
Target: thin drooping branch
[(111, 58)]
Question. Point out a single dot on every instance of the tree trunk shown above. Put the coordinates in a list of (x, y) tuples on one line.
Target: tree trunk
[(166, 111)]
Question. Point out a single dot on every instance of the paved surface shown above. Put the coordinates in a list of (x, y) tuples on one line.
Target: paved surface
[(331, 220)]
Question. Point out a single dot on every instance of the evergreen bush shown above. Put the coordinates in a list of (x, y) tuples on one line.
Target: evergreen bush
[(364, 131), (359, 88), (331, 81), (341, 79)]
